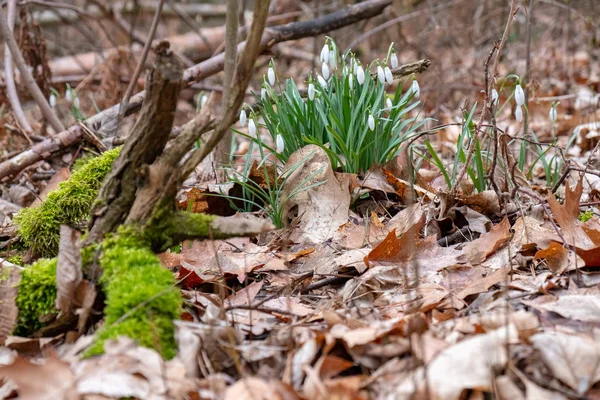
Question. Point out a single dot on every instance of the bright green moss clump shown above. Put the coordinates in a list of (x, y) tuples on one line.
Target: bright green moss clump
[(141, 298), (37, 295), (70, 204)]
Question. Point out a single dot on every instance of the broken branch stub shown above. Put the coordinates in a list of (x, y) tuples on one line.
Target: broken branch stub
[(146, 142)]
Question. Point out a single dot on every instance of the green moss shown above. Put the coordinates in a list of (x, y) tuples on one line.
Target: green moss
[(70, 204), (36, 297), (585, 216), (141, 298), (16, 259), (167, 229)]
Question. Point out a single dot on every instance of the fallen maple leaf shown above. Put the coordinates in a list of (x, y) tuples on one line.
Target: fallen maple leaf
[(479, 249)]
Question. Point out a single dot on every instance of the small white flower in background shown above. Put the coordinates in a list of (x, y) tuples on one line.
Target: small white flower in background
[(271, 75), (263, 93), (495, 96), (52, 100), (280, 144), (415, 88), (354, 66), (553, 114), (311, 91), (360, 74), (203, 100), (325, 53), (389, 78), (388, 102), (76, 102), (380, 74), (322, 81), (69, 95), (325, 71), (243, 118), (251, 127), (394, 60), (519, 95), (371, 122), (332, 60), (519, 113), (350, 81)]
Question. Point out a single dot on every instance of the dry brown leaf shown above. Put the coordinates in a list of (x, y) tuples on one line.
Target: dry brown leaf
[(61, 175), (578, 307), (9, 286), (469, 364), (258, 389), (320, 210), (68, 269), (51, 379), (573, 359), (245, 296), (555, 257), (566, 216), (479, 249)]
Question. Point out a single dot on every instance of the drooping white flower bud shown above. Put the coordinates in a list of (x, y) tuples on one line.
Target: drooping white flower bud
[(243, 118), (394, 60), (495, 96), (203, 100), (388, 102), (271, 75), (354, 66), (263, 93), (69, 95), (311, 91), (325, 53), (553, 115), (280, 144), (371, 122), (415, 88), (380, 74), (332, 60), (389, 78), (360, 74), (350, 81), (76, 102), (322, 81), (52, 100), (252, 127), (519, 113), (519, 95), (325, 71)]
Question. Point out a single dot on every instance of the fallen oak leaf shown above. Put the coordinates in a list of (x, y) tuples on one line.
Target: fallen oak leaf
[(479, 249)]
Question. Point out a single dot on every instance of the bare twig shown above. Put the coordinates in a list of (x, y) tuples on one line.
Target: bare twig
[(140, 66), (11, 89), (26, 76)]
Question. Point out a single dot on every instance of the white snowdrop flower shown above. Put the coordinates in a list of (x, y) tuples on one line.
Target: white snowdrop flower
[(394, 60), (360, 75), (203, 100), (389, 78), (76, 102), (325, 53), (271, 75), (519, 113), (52, 100), (311, 91), (519, 95), (69, 95), (350, 81), (553, 115), (332, 60), (354, 66), (322, 81), (325, 71), (280, 144), (243, 118), (495, 96), (371, 122), (415, 88), (251, 127), (380, 74), (388, 102), (263, 93)]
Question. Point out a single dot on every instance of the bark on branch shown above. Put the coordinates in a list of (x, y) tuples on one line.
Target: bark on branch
[(106, 120)]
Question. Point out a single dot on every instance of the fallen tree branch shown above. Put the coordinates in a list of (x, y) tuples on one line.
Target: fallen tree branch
[(106, 120)]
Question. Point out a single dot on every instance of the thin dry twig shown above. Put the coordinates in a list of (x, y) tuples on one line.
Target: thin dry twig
[(26, 76)]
